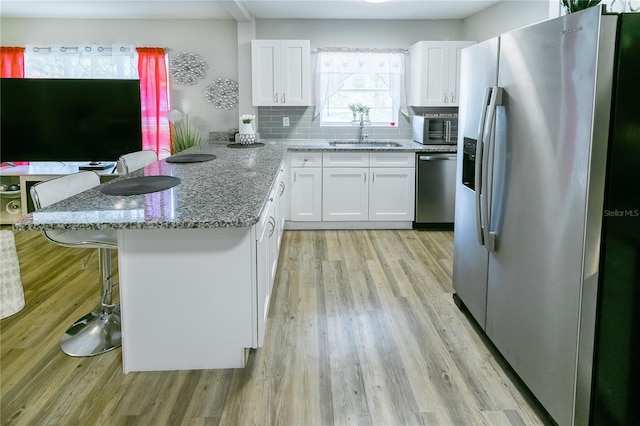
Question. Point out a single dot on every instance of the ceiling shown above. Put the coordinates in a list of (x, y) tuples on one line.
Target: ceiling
[(242, 10)]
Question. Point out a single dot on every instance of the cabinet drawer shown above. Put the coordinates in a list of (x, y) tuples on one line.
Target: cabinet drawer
[(306, 159), (345, 159), (392, 159)]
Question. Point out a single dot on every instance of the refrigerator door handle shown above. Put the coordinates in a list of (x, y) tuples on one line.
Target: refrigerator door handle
[(487, 168), (478, 166)]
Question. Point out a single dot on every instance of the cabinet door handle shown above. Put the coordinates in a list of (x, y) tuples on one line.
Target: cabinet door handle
[(453, 98), (273, 225), (295, 176), (373, 176), (275, 98), (365, 176), (284, 98), (446, 100), (283, 186)]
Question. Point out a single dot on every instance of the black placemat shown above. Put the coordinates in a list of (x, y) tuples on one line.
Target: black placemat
[(190, 158), (140, 185), (240, 145)]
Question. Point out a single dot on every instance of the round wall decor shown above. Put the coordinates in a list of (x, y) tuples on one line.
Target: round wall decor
[(188, 68), (222, 93)]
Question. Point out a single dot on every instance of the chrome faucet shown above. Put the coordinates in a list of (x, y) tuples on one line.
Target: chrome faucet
[(362, 136)]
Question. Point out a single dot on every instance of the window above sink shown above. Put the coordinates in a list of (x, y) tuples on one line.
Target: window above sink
[(352, 76)]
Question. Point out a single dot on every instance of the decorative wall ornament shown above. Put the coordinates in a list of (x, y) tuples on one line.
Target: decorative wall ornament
[(187, 68), (222, 93)]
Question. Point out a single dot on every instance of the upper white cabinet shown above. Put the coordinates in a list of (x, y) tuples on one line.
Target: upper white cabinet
[(281, 72), (435, 72)]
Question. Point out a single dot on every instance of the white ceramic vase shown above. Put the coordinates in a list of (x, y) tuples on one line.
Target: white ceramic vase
[(246, 128), (247, 135)]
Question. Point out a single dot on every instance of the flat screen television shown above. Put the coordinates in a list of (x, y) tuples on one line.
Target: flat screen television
[(76, 120)]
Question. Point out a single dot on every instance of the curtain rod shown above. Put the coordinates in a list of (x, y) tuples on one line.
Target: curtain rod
[(362, 49), (65, 49)]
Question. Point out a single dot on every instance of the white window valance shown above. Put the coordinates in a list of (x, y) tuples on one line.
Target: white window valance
[(82, 61), (334, 66)]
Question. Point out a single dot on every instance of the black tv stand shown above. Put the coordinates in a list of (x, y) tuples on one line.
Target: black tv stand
[(96, 165)]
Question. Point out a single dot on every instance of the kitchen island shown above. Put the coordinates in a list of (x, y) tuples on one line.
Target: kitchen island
[(190, 258)]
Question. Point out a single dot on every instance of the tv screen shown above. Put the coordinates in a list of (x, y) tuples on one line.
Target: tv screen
[(69, 119)]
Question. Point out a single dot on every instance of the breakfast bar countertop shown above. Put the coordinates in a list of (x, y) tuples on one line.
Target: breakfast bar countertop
[(229, 191)]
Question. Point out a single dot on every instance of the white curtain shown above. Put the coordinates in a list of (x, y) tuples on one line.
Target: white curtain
[(334, 66), (87, 61)]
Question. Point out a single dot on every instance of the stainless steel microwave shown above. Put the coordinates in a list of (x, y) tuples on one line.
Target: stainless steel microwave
[(435, 129)]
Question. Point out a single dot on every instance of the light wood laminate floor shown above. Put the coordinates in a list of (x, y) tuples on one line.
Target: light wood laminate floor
[(362, 330)]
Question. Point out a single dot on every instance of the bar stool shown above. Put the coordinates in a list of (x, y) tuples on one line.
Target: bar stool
[(136, 160), (98, 331)]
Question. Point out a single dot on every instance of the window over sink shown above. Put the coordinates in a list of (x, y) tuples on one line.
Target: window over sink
[(371, 77)]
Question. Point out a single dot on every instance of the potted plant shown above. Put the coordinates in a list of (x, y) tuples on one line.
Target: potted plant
[(183, 134), (575, 5)]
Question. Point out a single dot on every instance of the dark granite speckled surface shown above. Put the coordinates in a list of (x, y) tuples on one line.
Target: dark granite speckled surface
[(229, 191)]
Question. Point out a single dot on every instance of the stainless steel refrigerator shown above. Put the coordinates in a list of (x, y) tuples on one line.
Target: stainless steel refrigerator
[(543, 109)]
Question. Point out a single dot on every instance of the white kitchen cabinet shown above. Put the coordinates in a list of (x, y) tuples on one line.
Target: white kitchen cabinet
[(345, 194), (264, 256), (269, 232), (391, 193), (305, 182), (351, 188), (435, 72), (283, 200), (354, 191), (281, 72)]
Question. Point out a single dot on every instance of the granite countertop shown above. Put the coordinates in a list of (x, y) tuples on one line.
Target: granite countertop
[(406, 145), (229, 191)]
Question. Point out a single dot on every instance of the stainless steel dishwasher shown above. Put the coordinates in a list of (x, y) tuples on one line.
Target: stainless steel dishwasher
[(435, 190)]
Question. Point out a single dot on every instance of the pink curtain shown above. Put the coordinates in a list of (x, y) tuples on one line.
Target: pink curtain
[(11, 62), (152, 69)]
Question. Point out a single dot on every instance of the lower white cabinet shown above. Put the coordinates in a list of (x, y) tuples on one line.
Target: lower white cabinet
[(345, 194), (352, 186), (363, 194), (269, 231), (263, 272), (305, 182), (392, 194), (385, 192)]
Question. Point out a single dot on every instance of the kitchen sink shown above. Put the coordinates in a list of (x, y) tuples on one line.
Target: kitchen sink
[(368, 144)]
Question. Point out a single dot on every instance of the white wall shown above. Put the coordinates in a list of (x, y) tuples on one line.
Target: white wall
[(214, 40), (359, 33), (504, 16)]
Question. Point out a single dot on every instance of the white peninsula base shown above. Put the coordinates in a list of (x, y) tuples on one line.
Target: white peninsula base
[(188, 298)]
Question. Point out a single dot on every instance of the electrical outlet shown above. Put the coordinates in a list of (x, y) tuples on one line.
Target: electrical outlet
[(285, 121)]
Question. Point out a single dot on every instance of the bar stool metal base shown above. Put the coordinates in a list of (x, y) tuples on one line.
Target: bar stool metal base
[(93, 334)]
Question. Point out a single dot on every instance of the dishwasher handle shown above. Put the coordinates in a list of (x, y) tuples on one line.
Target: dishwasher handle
[(437, 157)]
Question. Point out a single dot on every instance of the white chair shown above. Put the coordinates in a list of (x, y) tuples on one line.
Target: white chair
[(136, 160), (98, 331)]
